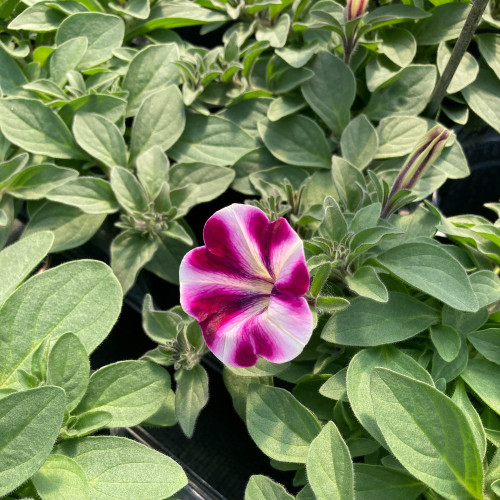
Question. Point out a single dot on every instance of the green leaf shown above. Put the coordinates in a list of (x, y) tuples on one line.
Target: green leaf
[(296, 140), (128, 191), (175, 14), (159, 325), (465, 73), (398, 135), (358, 381), (260, 487), (191, 396), (152, 171), (167, 258), (349, 182), (36, 128), (61, 478), (11, 76), (284, 106), (130, 252), (487, 342), (11, 167), (238, 386), (446, 340), (431, 269), (461, 399), (359, 142), (369, 323), (82, 297), (65, 58), (329, 466), (378, 70), (165, 415), (110, 106), (410, 415), (406, 93), (376, 481), (463, 322), (211, 140), (483, 97), (20, 258), (100, 138), (131, 391), (335, 387), (297, 57), (482, 376), (159, 122), (195, 183), (280, 426), (39, 17), (445, 23), (489, 47), (86, 424), (68, 367), (104, 33), (23, 447), (486, 285), (366, 282), (123, 469), (71, 227), (90, 194), (395, 13), (150, 70), (331, 91), (399, 45), (33, 183), (333, 226), (277, 34)]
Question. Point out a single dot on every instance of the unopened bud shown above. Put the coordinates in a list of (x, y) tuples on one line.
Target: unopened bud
[(421, 158), (355, 8)]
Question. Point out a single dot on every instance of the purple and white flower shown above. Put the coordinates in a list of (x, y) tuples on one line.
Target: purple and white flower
[(246, 287)]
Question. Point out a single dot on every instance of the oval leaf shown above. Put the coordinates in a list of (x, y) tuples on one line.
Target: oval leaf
[(358, 381), (122, 469), (368, 323), (23, 447), (280, 426), (82, 297), (329, 466), (433, 270), (61, 478), (410, 415), (131, 391)]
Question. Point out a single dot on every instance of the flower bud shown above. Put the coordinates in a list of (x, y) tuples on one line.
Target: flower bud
[(355, 8), (421, 158)]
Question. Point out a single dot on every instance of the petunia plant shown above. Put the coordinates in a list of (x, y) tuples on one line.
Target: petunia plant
[(352, 317), (50, 401), (349, 352), (101, 84)]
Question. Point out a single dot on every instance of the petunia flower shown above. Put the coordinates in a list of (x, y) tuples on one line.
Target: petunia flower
[(246, 287)]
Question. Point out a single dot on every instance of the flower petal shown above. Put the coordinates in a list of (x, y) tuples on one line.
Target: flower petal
[(206, 279), (235, 234), (285, 258), (244, 328)]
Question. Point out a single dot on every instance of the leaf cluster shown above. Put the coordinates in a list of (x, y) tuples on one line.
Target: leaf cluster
[(50, 401)]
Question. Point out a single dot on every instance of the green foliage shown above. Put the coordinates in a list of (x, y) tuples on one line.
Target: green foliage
[(314, 113), (50, 325)]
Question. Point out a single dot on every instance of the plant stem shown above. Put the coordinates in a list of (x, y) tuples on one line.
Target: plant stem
[(461, 45)]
